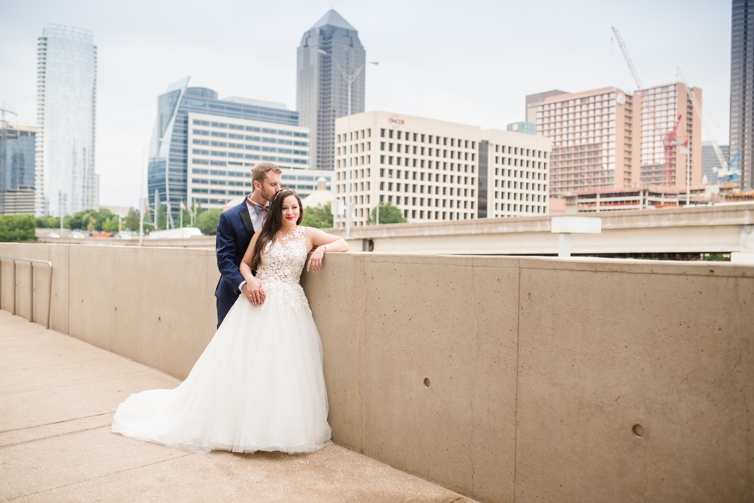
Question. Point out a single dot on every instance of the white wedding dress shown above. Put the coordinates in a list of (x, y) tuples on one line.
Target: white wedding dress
[(259, 384)]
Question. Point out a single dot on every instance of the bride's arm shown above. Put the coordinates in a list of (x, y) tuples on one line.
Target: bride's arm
[(253, 288), (325, 243)]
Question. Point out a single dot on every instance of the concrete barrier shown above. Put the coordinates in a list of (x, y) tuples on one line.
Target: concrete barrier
[(505, 379)]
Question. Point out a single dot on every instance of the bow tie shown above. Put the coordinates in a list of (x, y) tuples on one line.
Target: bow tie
[(258, 208)]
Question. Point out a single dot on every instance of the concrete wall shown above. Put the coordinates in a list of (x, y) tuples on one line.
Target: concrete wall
[(501, 378)]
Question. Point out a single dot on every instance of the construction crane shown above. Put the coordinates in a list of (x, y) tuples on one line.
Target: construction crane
[(730, 174), (726, 172), (3, 111), (668, 140)]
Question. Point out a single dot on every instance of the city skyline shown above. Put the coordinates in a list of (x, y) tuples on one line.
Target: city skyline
[(482, 78)]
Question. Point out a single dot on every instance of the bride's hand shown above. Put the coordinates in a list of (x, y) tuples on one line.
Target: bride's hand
[(315, 261), (253, 292)]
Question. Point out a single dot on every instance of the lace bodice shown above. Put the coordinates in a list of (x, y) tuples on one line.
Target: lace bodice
[(281, 267)]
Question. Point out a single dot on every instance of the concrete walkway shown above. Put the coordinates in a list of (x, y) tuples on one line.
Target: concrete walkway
[(57, 399)]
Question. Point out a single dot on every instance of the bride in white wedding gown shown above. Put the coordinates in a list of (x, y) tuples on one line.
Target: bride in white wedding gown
[(259, 385)]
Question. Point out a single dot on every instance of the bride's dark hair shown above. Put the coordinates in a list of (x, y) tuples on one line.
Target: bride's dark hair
[(272, 224)]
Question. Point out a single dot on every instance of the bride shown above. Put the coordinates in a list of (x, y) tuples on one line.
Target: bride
[(259, 385)]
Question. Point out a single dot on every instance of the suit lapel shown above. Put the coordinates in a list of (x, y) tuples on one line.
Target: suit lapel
[(244, 213)]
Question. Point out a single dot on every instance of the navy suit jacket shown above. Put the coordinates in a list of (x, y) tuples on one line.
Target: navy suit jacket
[(234, 232)]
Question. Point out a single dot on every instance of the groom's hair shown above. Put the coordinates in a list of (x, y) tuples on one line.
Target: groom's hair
[(260, 170)]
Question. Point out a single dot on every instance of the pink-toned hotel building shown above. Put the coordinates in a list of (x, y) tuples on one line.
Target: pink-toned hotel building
[(607, 139)]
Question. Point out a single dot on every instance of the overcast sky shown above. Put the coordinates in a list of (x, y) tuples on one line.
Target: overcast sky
[(467, 61)]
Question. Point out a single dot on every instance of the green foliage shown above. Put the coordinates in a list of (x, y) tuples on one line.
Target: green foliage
[(320, 217), (131, 222), (207, 221), (162, 217), (389, 214), (186, 216), (48, 222), (93, 220), (17, 227)]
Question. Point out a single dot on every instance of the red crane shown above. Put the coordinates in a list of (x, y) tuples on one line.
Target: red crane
[(668, 140)]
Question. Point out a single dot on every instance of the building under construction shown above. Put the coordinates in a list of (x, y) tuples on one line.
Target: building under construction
[(611, 139)]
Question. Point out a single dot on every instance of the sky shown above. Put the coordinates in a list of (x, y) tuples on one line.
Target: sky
[(471, 62)]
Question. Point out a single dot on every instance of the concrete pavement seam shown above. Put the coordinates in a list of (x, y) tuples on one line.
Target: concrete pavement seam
[(101, 476), (64, 384), (57, 422), (57, 435)]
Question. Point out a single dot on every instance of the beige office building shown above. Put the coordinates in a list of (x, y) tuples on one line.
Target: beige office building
[(599, 143), (436, 170), (514, 174), (427, 168)]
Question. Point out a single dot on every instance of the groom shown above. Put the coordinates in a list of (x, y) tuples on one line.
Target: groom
[(234, 231)]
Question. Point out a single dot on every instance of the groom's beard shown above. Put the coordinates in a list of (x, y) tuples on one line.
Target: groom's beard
[(268, 196)]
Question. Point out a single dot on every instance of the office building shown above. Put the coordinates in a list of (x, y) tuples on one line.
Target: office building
[(17, 172), (600, 143), (224, 150), (66, 106), (426, 168), (513, 174), (231, 135), (741, 84), (321, 89), (711, 163)]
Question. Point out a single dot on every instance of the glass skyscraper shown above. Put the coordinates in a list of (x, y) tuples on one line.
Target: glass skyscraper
[(169, 149), (17, 151), (321, 90), (66, 106), (742, 89)]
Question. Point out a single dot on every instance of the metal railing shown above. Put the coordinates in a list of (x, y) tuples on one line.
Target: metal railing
[(31, 284)]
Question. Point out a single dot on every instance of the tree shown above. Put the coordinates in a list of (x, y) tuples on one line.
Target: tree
[(389, 214), (320, 217), (48, 222), (17, 227), (162, 219), (186, 216), (207, 221), (102, 216), (131, 221)]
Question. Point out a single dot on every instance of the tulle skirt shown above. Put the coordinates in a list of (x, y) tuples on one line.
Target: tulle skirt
[(258, 386)]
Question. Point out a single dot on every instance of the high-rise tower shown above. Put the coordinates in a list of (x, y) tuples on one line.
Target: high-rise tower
[(741, 83), (321, 90), (66, 99)]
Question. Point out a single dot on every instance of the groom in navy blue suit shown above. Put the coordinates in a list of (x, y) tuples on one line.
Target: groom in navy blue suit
[(234, 232)]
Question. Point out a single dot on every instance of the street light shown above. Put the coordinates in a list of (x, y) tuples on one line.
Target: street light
[(349, 78)]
